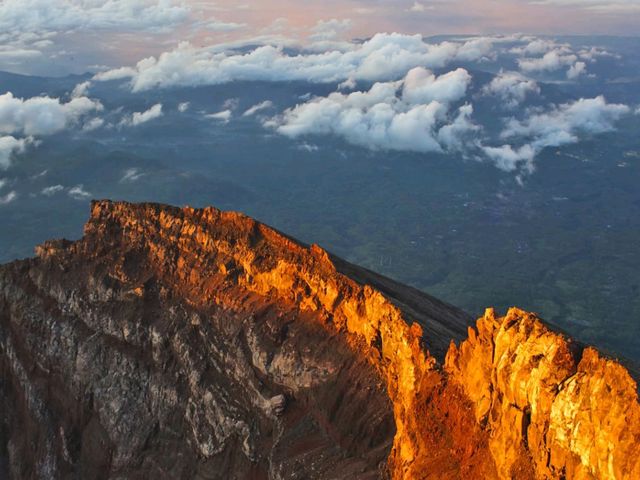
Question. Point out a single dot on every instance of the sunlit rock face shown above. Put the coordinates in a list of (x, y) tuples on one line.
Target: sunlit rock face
[(186, 343)]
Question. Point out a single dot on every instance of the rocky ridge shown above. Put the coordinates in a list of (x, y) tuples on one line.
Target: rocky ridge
[(195, 343)]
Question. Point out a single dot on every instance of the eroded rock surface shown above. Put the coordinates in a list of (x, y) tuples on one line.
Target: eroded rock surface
[(184, 343)]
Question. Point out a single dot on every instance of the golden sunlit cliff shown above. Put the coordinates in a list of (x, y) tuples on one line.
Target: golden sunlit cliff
[(403, 393)]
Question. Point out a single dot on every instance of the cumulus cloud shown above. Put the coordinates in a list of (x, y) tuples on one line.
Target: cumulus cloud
[(138, 118), (550, 61), (183, 107), (576, 70), (257, 108), (509, 159), (562, 125), (81, 89), (42, 115), (409, 115), (511, 87), (422, 86), (9, 146), (383, 57)]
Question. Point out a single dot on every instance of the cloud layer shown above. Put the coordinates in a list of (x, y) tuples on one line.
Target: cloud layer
[(383, 57)]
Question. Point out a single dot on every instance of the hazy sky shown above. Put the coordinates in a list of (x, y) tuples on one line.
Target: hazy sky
[(59, 36)]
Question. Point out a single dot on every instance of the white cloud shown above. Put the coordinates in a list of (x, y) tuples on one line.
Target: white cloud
[(93, 124), (9, 146), (131, 175), (8, 198), (562, 125), (553, 60), (539, 46), (115, 74), (509, 159), (138, 118), (422, 86), (407, 115), (52, 190), (89, 15), (456, 135), (576, 70), (511, 87), (81, 90), (381, 58), (183, 107), (224, 115), (79, 193), (257, 108), (41, 115)]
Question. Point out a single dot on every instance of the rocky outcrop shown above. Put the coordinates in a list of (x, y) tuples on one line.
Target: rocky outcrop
[(570, 412), (185, 343)]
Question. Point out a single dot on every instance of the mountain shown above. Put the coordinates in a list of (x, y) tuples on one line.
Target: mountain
[(196, 343)]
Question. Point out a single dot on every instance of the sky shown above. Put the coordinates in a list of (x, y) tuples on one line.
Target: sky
[(72, 36)]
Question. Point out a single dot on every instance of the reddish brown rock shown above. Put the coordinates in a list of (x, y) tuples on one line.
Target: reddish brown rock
[(207, 341)]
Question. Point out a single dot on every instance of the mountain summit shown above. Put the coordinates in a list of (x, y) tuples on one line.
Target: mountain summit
[(195, 343)]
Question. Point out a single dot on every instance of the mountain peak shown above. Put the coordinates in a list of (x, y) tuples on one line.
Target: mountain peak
[(181, 342)]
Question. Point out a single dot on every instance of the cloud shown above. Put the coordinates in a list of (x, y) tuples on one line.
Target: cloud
[(93, 124), (115, 74), (131, 175), (257, 108), (42, 115), (8, 198), (406, 115), (9, 146), (509, 159), (553, 60), (138, 118), (81, 90), (71, 15), (224, 116), (422, 86), (79, 193), (383, 57), (52, 190), (183, 107), (576, 70), (562, 125), (511, 87)]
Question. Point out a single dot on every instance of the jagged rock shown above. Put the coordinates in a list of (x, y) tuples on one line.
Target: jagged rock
[(184, 343), (278, 404)]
